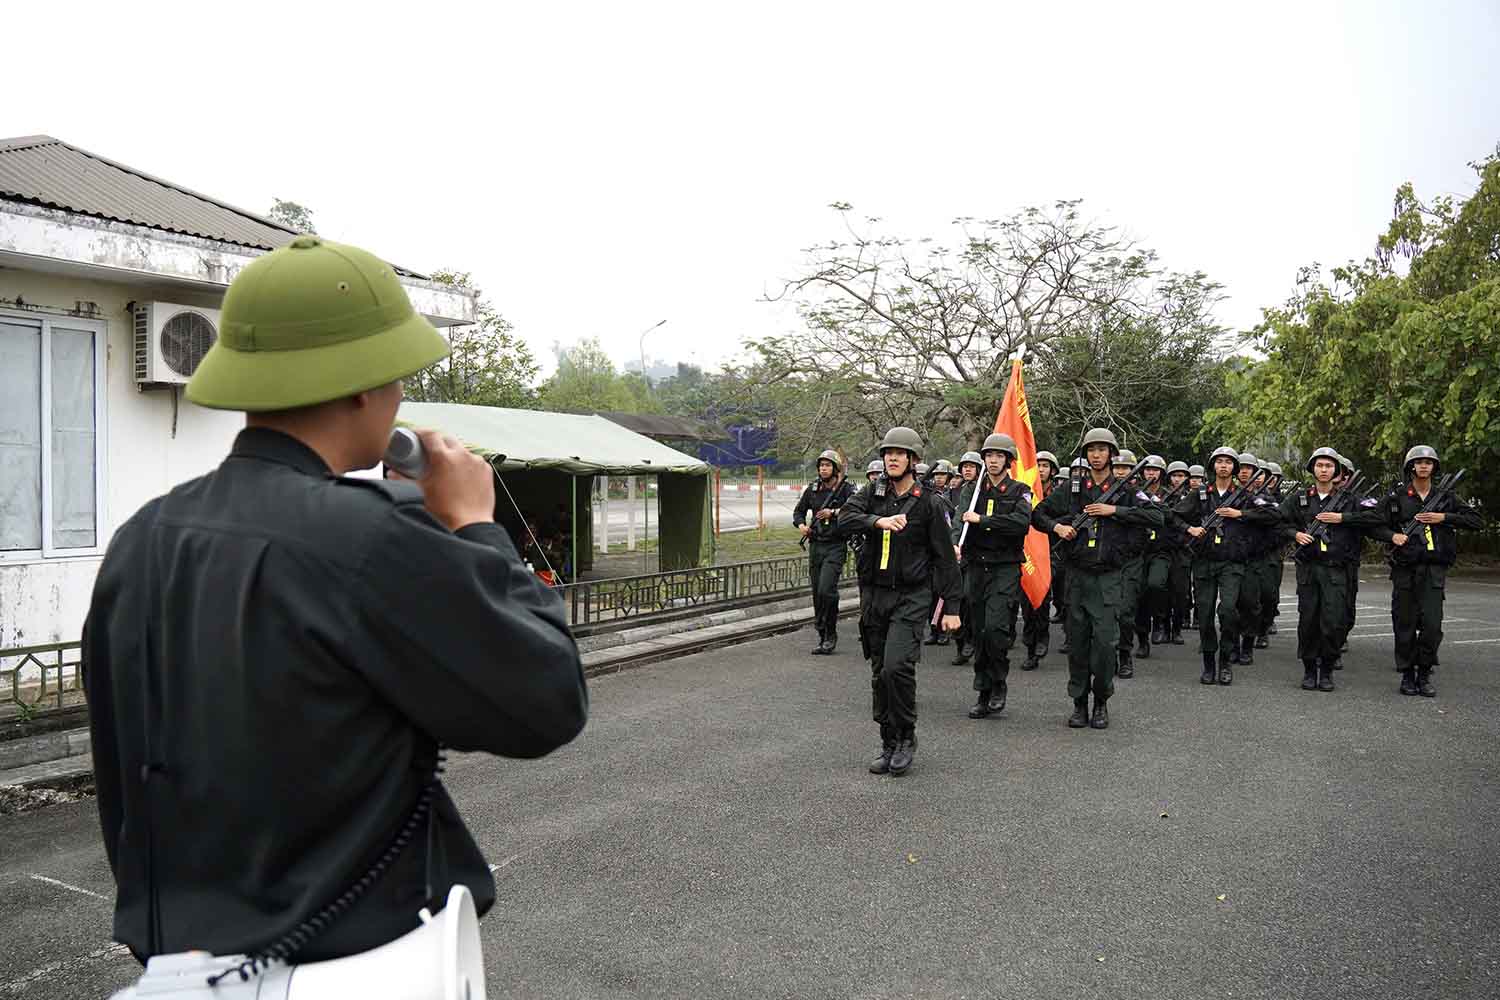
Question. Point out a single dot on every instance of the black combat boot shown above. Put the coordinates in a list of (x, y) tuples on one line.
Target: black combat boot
[(1247, 652), (1124, 669), (1177, 639), (882, 763), (1063, 649), (1337, 664), (965, 651), (1142, 646), (821, 649), (1261, 643), (1031, 662), (1158, 633), (1344, 646), (830, 643), (1409, 681), (1424, 683), (904, 753), (1080, 717), (1100, 719), (997, 699), (943, 639), (981, 707), (1041, 648), (1309, 675), (932, 637), (1226, 675), (1209, 675), (1325, 678), (1271, 628)]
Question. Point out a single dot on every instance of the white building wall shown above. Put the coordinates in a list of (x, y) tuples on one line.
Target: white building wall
[(45, 600)]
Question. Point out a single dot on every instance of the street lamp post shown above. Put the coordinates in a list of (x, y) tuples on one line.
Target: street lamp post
[(648, 329)]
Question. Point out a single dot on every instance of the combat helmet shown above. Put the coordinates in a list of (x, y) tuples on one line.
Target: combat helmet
[(1124, 456), (1002, 443), (1181, 467), (1196, 471), (875, 468), (922, 470), (1225, 452), (832, 456), (1100, 435), (1327, 453), (904, 438), (971, 457), (944, 467), (1047, 456), (1417, 451), (1156, 462)]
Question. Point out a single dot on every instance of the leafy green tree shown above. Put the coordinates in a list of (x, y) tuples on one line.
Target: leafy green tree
[(1399, 349), (292, 215), (587, 380), (488, 364)]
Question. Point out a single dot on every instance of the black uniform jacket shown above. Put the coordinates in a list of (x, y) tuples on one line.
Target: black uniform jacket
[(1435, 544), (271, 657), (1004, 520), (818, 497), (1300, 511), (917, 556), (1234, 539), (1169, 537), (1104, 543)]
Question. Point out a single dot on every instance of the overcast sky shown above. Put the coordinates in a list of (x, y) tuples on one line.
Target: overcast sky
[(602, 167)]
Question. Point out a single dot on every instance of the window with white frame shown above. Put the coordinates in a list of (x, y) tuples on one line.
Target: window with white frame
[(51, 435)]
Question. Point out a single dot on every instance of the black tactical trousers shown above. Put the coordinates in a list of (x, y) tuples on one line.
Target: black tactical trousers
[(893, 631), (1218, 582), (825, 561), (994, 590), (1269, 571), (1180, 585), (1351, 598), (1250, 598), (1093, 626), (1156, 591), (1130, 596), (1036, 632), (1417, 613), (866, 597), (1059, 590), (1322, 603)]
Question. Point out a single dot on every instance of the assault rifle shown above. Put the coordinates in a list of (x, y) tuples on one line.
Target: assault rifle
[(1442, 491), (1111, 495), (1238, 499), (1338, 503)]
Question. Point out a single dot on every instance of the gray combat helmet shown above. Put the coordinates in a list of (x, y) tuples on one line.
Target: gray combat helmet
[(1047, 456), (1327, 453), (1100, 435), (1344, 463), (904, 438), (876, 467), (1244, 458), (1125, 457), (1197, 471), (832, 456), (1179, 467), (1002, 443), (970, 457), (1275, 468), (1225, 452), (943, 466), (1155, 462), (923, 469), (1417, 451)]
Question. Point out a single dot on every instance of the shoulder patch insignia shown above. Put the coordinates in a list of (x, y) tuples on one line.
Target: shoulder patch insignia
[(1368, 502), (1140, 495)]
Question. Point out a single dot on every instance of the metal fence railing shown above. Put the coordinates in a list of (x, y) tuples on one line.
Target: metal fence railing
[(45, 677)]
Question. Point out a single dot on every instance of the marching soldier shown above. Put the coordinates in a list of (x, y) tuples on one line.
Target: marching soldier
[(873, 471), (863, 567), (1133, 552), (1258, 537), (1153, 613), (1179, 566), (1036, 633), (1351, 594), (1196, 477), (819, 506), (911, 553), (1323, 567), (998, 518), (937, 635), (924, 476), (1059, 584), (1419, 564), (1269, 568), (941, 473), (969, 467), (1219, 556), (1094, 560)]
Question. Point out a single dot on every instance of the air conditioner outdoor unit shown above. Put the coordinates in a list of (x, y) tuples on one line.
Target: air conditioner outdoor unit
[(170, 341)]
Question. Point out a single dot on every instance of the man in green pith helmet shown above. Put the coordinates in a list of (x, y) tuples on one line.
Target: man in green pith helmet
[(373, 608)]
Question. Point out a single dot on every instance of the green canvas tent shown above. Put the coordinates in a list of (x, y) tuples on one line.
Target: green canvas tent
[(551, 459)]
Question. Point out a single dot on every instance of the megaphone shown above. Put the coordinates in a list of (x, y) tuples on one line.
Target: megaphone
[(441, 960)]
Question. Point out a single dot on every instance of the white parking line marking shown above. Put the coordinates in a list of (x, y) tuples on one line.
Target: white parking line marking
[(25, 982), (70, 888)]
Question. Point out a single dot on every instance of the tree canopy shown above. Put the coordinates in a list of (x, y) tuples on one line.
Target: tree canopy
[(488, 364)]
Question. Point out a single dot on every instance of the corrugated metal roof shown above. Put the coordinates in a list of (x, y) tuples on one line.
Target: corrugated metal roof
[(48, 171)]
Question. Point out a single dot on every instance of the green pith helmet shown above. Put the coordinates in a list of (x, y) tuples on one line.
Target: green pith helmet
[(1196, 470), (875, 468), (308, 323), (970, 457), (1047, 456), (1124, 457), (1181, 467), (943, 467), (1327, 453), (1100, 435), (1002, 443), (832, 456), (1155, 462), (904, 438), (1229, 453), (1420, 451)]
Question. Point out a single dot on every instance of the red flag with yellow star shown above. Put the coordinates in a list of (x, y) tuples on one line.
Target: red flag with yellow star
[(1015, 420)]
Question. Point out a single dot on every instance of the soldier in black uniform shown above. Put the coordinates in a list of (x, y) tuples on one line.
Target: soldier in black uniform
[(862, 565), (1196, 478), (1419, 565), (1094, 560), (1153, 613), (1036, 633), (992, 530), (1259, 536), (1351, 594), (1076, 470), (937, 635), (873, 471), (1133, 552), (1179, 566), (274, 651), (1219, 557), (906, 533), (1269, 568), (816, 516), (969, 467), (1323, 566)]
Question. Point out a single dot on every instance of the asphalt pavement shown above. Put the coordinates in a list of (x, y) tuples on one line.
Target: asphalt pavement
[(714, 833)]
